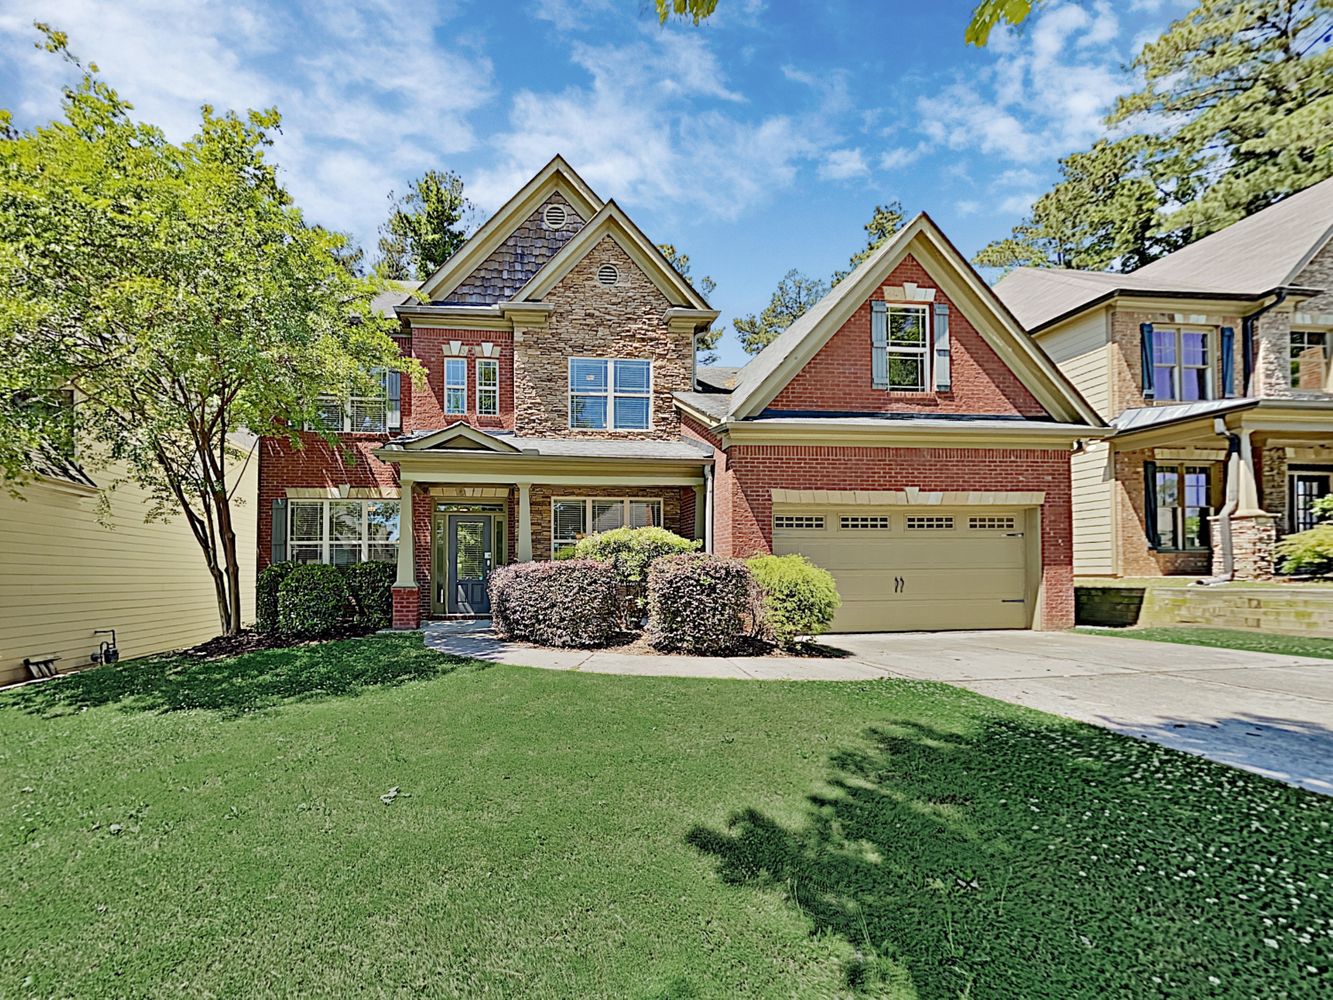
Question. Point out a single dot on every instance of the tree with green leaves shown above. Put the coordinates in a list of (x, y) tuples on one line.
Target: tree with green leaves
[(795, 294), (182, 298), (885, 220), (705, 343), (425, 227), (1235, 112)]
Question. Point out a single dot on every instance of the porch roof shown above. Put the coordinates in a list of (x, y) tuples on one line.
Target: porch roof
[(464, 441), (1291, 417)]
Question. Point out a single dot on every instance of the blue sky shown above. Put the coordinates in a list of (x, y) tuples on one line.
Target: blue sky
[(757, 143)]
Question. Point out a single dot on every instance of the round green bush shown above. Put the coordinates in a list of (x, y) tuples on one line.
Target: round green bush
[(266, 595), (312, 601), (371, 587), (630, 552), (698, 603), (570, 602), (797, 598), (1308, 553)]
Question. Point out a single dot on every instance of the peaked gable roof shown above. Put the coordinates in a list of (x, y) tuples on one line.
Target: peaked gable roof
[(1247, 260), (613, 222), (1261, 251), (556, 176), (774, 366), (457, 435)]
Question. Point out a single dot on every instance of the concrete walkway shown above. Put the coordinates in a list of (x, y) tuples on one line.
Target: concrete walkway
[(1269, 714)]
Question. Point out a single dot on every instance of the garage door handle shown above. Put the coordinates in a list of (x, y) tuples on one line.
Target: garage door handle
[(1013, 600)]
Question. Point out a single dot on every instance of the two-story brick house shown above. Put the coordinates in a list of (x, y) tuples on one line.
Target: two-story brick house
[(905, 433), (1212, 366)]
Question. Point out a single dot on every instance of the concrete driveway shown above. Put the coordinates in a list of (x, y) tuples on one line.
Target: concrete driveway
[(1269, 714)]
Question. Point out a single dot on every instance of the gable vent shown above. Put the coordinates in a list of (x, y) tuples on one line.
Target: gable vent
[(555, 217), (608, 274)]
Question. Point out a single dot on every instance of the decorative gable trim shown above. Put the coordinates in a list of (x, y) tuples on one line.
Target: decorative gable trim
[(557, 175), (779, 362), (908, 292), (460, 435), (613, 222)]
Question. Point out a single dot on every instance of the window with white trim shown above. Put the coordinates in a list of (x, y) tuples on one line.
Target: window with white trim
[(908, 348), (340, 532), (455, 385), (574, 517), (609, 394), (1305, 340), (1182, 365), (360, 414), (488, 387)]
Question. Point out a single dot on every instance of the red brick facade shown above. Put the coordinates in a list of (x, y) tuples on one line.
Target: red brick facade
[(838, 377), (423, 406)]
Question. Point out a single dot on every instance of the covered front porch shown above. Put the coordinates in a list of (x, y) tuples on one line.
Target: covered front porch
[(1207, 489), (476, 500)]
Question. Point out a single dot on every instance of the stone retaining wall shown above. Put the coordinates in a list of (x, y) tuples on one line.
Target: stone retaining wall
[(1289, 610)]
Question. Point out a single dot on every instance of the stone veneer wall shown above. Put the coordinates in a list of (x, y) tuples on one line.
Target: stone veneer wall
[(591, 320), (1294, 610), (1252, 541), (1273, 485)]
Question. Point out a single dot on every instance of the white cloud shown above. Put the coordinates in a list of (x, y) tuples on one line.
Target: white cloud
[(967, 207), (359, 116), (1015, 177), (843, 164), (1019, 204), (902, 156)]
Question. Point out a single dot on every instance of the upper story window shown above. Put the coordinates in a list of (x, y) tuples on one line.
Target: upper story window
[(488, 387), (455, 385), (608, 394), (360, 414), (1302, 341), (1181, 365), (908, 354)]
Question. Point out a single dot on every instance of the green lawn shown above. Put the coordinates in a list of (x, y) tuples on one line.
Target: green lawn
[(218, 829), (1225, 638)]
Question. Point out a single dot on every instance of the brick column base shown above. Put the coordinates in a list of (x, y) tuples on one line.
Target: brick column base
[(406, 607), (1252, 540)]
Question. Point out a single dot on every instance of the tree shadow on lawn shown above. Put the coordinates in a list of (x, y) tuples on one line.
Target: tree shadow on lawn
[(1022, 861), (241, 685)]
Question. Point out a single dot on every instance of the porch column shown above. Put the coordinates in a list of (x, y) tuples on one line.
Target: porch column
[(1253, 529), (700, 512), (406, 595), (524, 522), (709, 501)]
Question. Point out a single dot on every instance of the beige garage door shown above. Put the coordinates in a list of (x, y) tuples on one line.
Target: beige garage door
[(958, 568)]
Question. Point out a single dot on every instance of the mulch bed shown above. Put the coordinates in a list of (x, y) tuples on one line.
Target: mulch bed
[(634, 644), (251, 641)]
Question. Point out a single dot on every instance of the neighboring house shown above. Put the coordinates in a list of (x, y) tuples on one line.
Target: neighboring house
[(905, 433), (77, 557), (1212, 366)]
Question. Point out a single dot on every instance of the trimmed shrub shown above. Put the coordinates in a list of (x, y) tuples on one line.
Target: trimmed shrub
[(266, 595), (797, 598), (1308, 552), (370, 585), (312, 601), (566, 603), (630, 552), (698, 603)]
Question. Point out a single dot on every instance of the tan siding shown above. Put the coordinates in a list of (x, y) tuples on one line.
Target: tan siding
[(1079, 348), (64, 573), (1093, 532)]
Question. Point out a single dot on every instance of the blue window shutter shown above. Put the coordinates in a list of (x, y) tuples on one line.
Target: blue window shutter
[(942, 375), (1228, 349), (278, 542), (1150, 505), (393, 389), (879, 344), (1145, 360), (1246, 354)]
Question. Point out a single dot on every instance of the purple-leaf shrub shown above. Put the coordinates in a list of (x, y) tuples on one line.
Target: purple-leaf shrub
[(698, 603), (566, 603)]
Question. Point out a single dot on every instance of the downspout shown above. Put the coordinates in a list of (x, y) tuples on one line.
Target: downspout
[(1223, 519)]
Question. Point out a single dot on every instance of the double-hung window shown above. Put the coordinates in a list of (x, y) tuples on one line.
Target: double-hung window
[(455, 385), (488, 387), (1305, 340), (360, 414), (908, 348), (1182, 365), (574, 517), (607, 394), (1183, 508), (342, 531)]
